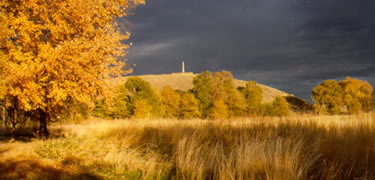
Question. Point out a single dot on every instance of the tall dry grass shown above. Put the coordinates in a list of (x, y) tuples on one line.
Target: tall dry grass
[(296, 147)]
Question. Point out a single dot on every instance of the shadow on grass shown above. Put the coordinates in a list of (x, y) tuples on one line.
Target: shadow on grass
[(29, 168), (27, 134), (32, 169), (10, 139)]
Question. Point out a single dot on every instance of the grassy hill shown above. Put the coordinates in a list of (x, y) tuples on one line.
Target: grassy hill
[(184, 81)]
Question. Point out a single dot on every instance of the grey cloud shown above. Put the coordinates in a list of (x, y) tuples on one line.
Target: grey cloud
[(291, 45)]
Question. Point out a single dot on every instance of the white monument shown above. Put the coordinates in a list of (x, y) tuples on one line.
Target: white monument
[(183, 67), (183, 72)]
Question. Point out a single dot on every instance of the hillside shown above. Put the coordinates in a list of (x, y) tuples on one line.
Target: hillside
[(184, 81)]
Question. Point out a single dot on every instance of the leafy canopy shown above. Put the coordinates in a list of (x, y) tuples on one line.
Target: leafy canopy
[(353, 94), (253, 95), (58, 53), (170, 101), (217, 90), (188, 106), (141, 90), (280, 106)]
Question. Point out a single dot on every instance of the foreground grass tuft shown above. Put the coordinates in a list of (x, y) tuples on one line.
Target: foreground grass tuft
[(298, 147)]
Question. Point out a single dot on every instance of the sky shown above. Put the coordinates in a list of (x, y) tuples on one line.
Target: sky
[(291, 45)]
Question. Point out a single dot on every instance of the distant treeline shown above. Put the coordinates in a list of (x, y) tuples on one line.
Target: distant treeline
[(214, 96), (349, 96)]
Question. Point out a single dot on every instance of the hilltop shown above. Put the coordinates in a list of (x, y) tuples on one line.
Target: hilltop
[(184, 81)]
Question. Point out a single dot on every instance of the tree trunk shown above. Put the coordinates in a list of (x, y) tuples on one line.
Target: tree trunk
[(10, 123), (3, 115), (14, 122), (43, 120)]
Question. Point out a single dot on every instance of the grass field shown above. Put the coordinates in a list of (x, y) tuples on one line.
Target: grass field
[(297, 147)]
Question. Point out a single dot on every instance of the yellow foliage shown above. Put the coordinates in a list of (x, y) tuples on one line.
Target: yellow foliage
[(280, 106), (170, 102), (353, 94), (188, 106), (58, 53), (219, 110), (254, 95), (358, 94), (330, 95), (142, 109)]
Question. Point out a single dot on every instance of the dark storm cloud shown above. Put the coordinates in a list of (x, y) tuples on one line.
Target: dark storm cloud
[(292, 44)]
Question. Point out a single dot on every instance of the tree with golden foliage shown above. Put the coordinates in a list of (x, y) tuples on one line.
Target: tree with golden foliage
[(226, 89), (203, 84), (140, 89), (280, 106), (209, 87), (328, 95), (58, 53), (115, 105), (219, 110), (358, 94), (142, 109), (353, 94), (188, 106), (3, 35), (236, 103), (253, 95), (266, 109), (118, 105), (170, 101)]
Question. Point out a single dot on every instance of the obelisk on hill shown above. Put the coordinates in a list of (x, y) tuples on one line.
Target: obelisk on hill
[(183, 67)]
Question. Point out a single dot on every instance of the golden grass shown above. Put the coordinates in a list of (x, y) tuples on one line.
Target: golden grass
[(296, 147)]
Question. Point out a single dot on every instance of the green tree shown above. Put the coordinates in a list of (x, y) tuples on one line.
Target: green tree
[(188, 106), (203, 84), (118, 107), (141, 89), (170, 101), (209, 87), (114, 105)]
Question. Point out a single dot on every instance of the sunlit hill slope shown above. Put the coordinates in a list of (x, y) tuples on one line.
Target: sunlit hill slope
[(184, 81)]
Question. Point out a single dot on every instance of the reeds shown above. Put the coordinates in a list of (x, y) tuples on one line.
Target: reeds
[(296, 147)]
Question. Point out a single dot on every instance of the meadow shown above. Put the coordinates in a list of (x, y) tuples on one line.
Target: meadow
[(293, 147)]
